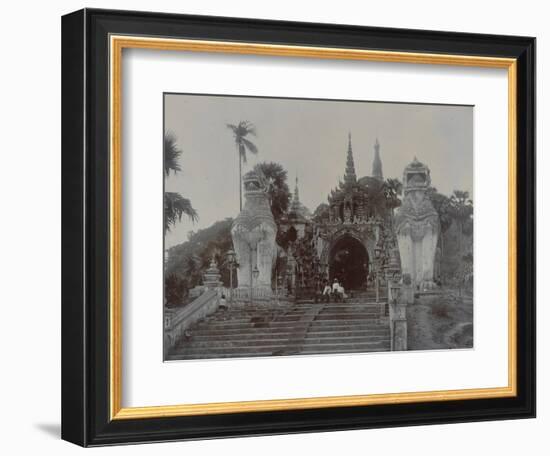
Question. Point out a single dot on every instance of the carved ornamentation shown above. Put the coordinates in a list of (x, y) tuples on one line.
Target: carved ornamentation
[(253, 232), (417, 226)]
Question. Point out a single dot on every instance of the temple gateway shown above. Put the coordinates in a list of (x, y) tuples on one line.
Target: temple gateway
[(381, 249), (355, 237)]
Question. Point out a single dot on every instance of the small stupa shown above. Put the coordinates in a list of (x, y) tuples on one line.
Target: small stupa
[(211, 278)]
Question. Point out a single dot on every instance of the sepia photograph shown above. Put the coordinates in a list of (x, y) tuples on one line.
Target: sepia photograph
[(316, 226)]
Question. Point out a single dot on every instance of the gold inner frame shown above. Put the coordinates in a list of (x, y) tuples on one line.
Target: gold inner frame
[(117, 44)]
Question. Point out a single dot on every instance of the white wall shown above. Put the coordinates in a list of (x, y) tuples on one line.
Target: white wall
[(30, 229)]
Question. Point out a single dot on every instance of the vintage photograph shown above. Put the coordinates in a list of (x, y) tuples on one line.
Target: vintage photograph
[(315, 226)]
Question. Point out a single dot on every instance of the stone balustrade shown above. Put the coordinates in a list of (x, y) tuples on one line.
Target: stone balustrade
[(397, 302), (178, 321), (241, 295)]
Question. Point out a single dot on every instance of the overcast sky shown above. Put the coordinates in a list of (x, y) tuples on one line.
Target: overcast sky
[(309, 138)]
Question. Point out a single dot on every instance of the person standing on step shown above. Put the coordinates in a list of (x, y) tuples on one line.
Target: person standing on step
[(342, 293), (327, 292), (336, 290)]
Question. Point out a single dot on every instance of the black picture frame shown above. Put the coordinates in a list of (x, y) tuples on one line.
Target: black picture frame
[(85, 225)]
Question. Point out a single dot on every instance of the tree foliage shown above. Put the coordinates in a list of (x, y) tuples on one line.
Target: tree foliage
[(189, 260), (461, 206), (321, 213), (172, 154), (456, 222), (175, 290), (175, 205), (462, 209), (240, 133), (393, 190), (442, 205), (277, 188)]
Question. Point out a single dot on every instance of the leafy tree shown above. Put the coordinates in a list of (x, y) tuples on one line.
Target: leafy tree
[(190, 259), (442, 205), (172, 154), (240, 132), (192, 270), (393, 189), (377, 196), (175, 290), (175, 205), (462, 210), (321, 213), (465, 274), (277, 188)]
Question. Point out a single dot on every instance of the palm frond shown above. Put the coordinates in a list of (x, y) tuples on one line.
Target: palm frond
[(248, 128), (171, 154), (175, 206), (250, 146), (233, 128)]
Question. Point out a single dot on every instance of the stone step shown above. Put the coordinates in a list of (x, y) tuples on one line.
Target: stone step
[(374, 321), (339, 309), (325, 325), (300, 328), (271, 349), (197, 356), (296, 316), (330, 325), (346, 351), (262, 334), (215, 343)]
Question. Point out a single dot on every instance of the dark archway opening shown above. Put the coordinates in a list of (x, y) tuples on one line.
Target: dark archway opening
[(349, 263)]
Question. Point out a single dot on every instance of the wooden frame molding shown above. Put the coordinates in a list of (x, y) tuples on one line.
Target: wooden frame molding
[(116, 46)]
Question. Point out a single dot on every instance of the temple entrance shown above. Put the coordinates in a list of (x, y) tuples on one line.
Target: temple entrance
[(349, 262)]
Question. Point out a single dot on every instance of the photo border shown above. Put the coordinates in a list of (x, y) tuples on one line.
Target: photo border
[(118, 44)]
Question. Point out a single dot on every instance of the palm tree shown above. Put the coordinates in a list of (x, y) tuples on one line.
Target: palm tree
[(393, 190), (240, 132), (175, 205), (378, 197), (192, 269), (462, 210), (442, 205), (277, 189), (172, 154)]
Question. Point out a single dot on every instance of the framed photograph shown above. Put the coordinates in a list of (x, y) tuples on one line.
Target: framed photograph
[(277, 227)]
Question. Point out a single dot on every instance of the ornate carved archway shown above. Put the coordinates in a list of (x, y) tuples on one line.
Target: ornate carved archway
[(365, 237), (364, 240), (349, 262)]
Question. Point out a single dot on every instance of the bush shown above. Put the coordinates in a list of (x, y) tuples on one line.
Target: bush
[(440, 310)]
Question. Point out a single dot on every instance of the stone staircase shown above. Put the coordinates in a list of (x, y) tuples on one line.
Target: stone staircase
[(303, 328)]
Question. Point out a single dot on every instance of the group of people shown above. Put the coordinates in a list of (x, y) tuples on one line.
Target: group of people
[(334, 292)]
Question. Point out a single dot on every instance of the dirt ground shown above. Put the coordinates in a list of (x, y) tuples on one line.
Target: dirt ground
[(440, 322)]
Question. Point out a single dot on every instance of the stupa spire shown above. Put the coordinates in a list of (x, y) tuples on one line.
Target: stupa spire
[(377, 163), (350, 177), (295, 204)]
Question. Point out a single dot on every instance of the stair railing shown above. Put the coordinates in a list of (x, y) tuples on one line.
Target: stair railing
[(397, 315), (176, 324)]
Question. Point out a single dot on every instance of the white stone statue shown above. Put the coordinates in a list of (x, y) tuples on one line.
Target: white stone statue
[(417, 227), (253, 232)]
